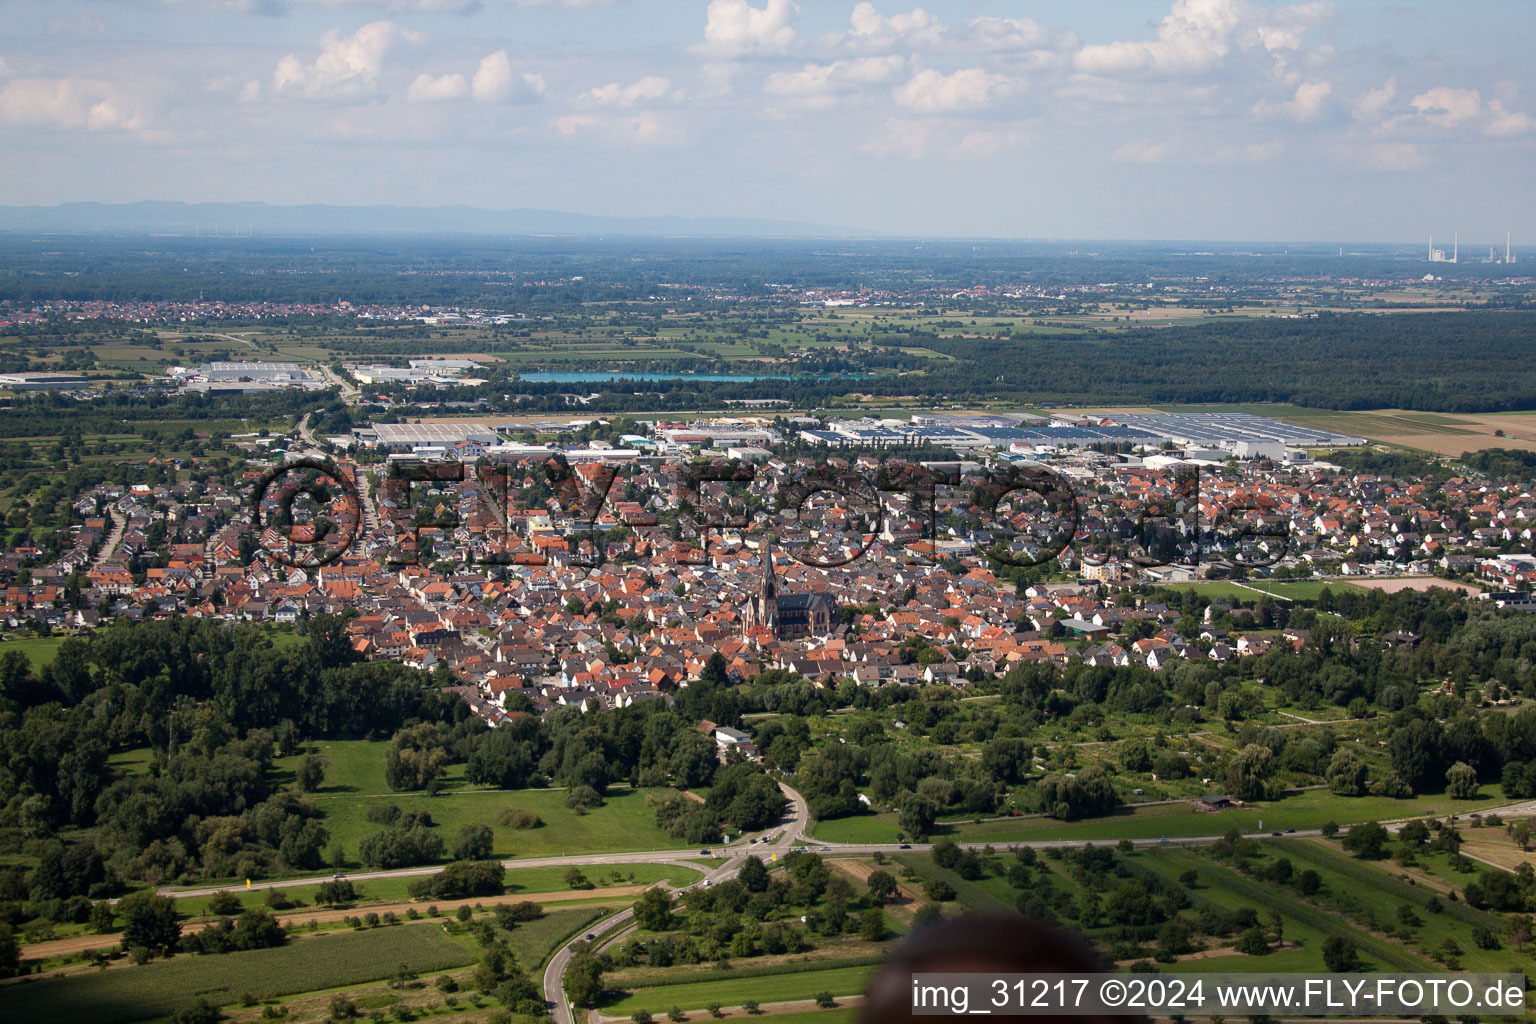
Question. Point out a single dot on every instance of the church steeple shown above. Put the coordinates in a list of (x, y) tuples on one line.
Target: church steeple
[(770, 586), (763, 609)]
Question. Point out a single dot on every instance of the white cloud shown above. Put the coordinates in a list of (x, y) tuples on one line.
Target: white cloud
[(644, 127), (1506, 122), (1394, 156), (873, 32), (250, 92), (651, 87), (1304, 105), (1259, 152), (931, 91), (495, 82), (1143, 151), (347, 66), (5, 69), (69, 103), (434, 88), (818, 86), (1198, 34), (734, 28), (906, 138), (1001, 34), (990, 142), (1446, 106), (1376, 101)]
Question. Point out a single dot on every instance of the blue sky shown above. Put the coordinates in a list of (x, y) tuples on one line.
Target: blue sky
[(1348, 120)]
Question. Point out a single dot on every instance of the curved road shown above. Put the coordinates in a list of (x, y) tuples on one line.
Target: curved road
[(788, 832)]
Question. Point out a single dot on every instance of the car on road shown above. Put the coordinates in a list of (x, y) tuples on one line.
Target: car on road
[(340, 874), (823, 849), (1277, 833), (703, 853), (905, 846), (1289, 831), (591, 936)]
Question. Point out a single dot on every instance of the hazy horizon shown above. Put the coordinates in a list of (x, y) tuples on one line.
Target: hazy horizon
[(1197, 119)]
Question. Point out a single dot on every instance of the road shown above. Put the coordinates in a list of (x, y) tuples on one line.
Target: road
[(109, 545), (789, 835), (349, 394), (788, 832)]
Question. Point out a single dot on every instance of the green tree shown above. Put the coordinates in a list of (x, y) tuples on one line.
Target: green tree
[(583, 980), (882, 887), (200, 1012), (310, 773), (1253, 942), (473, 842), (1250, 773), (1346, 773), (872, 925), (753, 874), (1339, 954), (149, 921), (653, 911), (10, 951), (1367, 841), (1461, 781)]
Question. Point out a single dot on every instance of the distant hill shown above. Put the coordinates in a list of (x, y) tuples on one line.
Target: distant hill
[(321, 219)]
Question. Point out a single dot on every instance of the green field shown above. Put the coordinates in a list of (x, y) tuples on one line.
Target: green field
[(1254, 590), (305, 965), (770, 988), (536, 941), (1308, 809), (354, 782), (41, 650)]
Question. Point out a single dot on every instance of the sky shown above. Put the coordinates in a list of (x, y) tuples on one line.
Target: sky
[(1321, 120)]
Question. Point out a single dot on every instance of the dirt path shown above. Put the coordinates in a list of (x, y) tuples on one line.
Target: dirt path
[(1209, 954), (330, 915), (904, 907)]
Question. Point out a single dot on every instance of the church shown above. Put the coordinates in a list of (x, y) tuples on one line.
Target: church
[(787, 615)]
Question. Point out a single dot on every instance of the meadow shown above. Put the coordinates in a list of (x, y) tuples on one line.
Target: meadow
[(354, 783), (1307, 809), (161, 988), (769, 988)]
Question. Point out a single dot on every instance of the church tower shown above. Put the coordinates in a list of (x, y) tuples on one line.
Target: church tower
[(763, 610)]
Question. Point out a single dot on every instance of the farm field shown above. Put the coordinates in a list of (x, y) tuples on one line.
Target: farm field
[(1309, 809), (159, 989), (519, 882), (731, 991)]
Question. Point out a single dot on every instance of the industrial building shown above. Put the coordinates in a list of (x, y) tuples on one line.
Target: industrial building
[(410, 436), (1227, 430), (40, 381), (256, 372)]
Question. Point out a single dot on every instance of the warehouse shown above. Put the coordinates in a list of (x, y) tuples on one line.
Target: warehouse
[(402, 437)]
